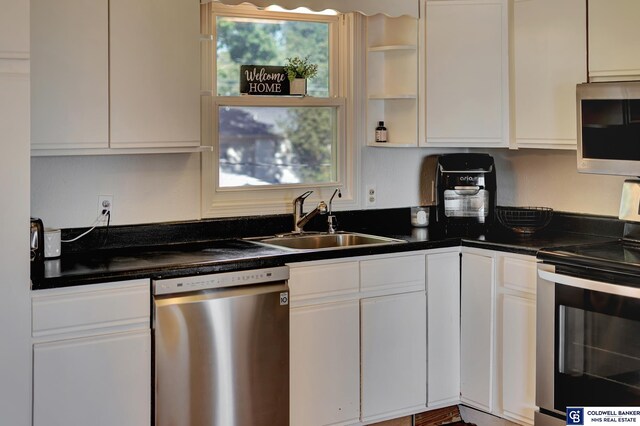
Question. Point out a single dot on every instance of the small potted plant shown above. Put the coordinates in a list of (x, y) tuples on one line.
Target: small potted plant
[(298, 71)]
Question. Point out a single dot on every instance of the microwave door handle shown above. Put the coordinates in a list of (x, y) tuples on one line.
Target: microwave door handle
[(600, 286)]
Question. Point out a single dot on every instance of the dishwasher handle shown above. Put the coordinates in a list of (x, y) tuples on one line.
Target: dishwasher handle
[(221, 280)]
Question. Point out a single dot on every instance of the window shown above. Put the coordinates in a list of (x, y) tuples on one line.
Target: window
[(276, 145), (268, 149)]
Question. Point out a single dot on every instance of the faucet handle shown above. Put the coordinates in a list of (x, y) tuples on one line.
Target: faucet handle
[(303, 196)]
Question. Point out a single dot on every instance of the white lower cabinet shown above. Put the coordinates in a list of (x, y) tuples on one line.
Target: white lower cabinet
[(498, 333), (516, 341), (394, 376), (324, 343), (358, 339), (325, 364), (378, 337), (92, 355), (518, 358), (476, 328), (443, 320), (97, 380)]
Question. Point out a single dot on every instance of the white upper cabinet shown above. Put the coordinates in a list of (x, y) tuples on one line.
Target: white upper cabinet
[(69, 74), (550, 49), (14, 29), (613, 40), (115, 76), (155, 73), (467, 73)]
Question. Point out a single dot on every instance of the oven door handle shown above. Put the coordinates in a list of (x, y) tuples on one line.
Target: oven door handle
[(600, 286)]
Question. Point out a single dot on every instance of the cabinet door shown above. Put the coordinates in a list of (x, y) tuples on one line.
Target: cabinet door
[(69, 74), (97, 380), (155, 73), (476, 328), (394, 354), (613, 39), (550, 48), (518, 358), (325, 364), (14, 30), (443, 320), (467, 73)]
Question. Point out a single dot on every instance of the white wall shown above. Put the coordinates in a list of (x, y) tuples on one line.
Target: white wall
[(15, 312), (157, 188), (549, 178), (396, 174), (145, 188), (528, 177)]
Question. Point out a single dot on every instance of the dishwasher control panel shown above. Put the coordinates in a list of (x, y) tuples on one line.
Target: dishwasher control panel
[(223, 279)]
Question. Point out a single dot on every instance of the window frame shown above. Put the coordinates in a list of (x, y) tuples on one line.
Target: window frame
[(273, 199)]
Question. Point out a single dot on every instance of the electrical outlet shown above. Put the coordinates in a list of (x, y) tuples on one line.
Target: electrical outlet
[(105, 202), (371, 195)]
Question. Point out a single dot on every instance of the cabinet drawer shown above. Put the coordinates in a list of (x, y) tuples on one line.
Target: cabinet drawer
[(519, 274), (89, 307), (393, 273), (334, 279)]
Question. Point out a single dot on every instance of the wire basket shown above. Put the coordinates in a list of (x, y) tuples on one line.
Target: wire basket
[(524, 220)]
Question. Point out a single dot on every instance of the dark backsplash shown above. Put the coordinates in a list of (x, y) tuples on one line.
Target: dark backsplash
[(381, 221), (148, 235), (604, 226)]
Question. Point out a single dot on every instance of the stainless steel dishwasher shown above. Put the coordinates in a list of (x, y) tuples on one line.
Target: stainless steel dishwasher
[(222, 349)]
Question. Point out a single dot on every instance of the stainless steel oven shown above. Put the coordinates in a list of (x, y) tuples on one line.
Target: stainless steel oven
[(588, 332)]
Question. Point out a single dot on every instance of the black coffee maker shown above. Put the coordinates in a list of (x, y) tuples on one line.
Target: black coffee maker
[(36, 243), (466, 193)]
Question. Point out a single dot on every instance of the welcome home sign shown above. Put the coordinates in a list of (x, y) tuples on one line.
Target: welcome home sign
[(263, 80)]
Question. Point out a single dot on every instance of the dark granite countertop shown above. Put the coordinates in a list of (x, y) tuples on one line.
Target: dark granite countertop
[(178, 253)]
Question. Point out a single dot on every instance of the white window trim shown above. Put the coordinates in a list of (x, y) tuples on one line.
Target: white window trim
[(260, 200)]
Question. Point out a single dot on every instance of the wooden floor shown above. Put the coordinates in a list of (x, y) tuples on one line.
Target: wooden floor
[(444, 416)]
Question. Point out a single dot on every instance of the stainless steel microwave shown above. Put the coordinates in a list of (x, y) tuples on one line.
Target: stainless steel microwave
[(609, 128)]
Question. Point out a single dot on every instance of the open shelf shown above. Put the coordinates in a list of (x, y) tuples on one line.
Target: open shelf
[(392, 80), (393, 48), (391, 145), (390, 96)]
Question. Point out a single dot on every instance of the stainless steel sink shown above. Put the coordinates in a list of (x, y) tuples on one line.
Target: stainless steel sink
[(324, 241)]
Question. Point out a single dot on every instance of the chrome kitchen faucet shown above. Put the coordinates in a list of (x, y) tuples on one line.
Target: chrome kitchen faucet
[(299, 218), (331, 218)]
